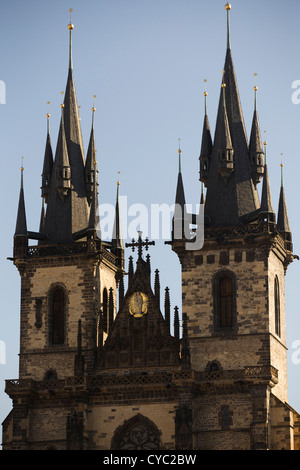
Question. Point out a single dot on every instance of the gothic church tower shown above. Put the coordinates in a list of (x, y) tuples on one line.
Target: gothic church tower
[(233, 290)]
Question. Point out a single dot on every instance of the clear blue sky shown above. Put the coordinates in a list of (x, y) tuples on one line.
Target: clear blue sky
[(146, 62)]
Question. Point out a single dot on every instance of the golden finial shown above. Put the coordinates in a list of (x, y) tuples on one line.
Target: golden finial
[(265, 143), (48, 114), (179, 149), (22, 166), (70, 25), (62, 105), (227, 6), (93, 108), (255, 86), (118, 183), (205, 92)]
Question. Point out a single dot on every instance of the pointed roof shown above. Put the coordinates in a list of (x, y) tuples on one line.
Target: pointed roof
[(21, 224), (180, 209), (255, 144), (230, 202), (64, 218), (223, 136), (91, 153), (206, 143), (48, 156), (61, 154), (266, 198), (283, 224), (117, 241)]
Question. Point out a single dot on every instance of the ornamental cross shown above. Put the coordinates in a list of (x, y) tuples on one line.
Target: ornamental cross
[(139, 244)]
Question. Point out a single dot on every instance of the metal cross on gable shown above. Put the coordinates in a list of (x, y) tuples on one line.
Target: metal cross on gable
[(139, 244)]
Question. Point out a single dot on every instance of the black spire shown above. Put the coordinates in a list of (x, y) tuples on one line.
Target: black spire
[(48, 164), (90, 159), (117, 240), (230, 199), (68, 211), (283, 224), (180, 209), (206, 146), (266, 199), (21, 224), (256, 154)]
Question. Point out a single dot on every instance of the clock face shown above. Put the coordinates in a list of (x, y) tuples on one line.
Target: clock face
[(138, 304)]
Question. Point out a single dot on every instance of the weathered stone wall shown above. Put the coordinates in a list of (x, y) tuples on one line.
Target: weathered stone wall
[(81, 279), (105, 420)]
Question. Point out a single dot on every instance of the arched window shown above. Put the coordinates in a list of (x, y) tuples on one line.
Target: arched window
[(57, 316), (105, 310), (224, 301), (138, 433), (277, 306)]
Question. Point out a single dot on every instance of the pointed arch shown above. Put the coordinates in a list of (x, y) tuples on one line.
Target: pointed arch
[(137, 433), (57, 315), (224, 293)]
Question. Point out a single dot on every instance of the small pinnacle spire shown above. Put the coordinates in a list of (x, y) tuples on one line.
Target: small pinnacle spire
[(117, 240), (70, 28), (228, 8), (283, 224), (21, 225)]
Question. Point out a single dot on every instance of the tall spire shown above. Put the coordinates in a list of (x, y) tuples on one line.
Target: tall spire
[(179, 212), (266, 198), (21, 224), (117, 241), (206, 145), (223, 141), (230, 200), (48, 162), (90, 159), (256, 153), (70, 215), (283, 224)]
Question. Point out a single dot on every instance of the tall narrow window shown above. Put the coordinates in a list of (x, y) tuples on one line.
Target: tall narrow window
[(58, 316), (224, 301), (105, 310), (277, 306)]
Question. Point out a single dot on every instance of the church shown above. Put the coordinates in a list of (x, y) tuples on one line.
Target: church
[(101, 367)]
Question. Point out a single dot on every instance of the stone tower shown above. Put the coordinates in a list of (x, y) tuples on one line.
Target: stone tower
[(233, 290), (68, 274)]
